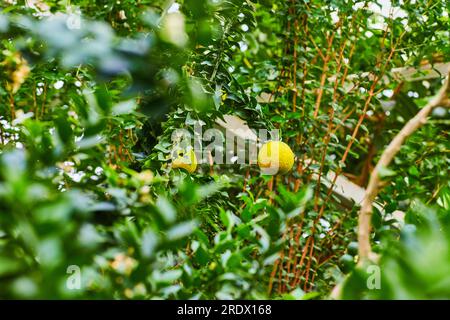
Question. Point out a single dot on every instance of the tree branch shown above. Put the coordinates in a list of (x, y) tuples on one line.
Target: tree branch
[(365, 213)]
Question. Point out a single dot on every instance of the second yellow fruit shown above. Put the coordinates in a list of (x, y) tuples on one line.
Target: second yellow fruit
[(275, 157), (185, 160)]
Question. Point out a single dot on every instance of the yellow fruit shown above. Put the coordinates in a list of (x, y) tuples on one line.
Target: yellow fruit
[(185, 160), (275, 157)]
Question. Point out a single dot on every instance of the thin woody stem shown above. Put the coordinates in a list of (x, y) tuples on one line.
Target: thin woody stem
[(388, 154)]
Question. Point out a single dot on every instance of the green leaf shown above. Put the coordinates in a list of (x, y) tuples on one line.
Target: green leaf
[(125, 107), (385, 172), (166, 210), (181, 230)]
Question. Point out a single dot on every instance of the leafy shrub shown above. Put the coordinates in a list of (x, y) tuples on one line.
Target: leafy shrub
[(91, 94)]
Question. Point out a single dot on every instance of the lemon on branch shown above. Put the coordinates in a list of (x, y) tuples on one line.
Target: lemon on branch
[(186, 160), (275, 157)]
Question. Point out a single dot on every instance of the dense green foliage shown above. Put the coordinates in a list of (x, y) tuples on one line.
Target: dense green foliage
[(91, 93)]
